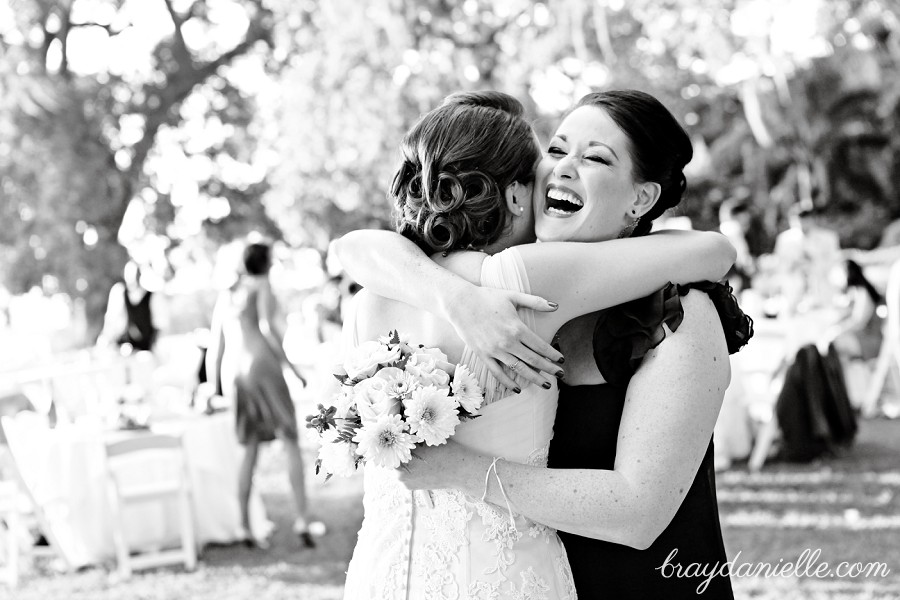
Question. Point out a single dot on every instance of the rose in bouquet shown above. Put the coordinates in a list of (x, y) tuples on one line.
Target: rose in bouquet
[(394, 396)]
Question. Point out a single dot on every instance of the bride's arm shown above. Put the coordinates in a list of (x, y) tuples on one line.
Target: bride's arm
[(670, 411), (392, 266)]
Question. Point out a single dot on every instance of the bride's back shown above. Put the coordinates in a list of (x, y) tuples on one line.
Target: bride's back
[(377, 315)]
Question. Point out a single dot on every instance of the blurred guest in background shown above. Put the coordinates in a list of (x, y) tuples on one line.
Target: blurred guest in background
[(806, 255), (246, 357), (734, 223), (857, 335), (328, 309), (129, 313)]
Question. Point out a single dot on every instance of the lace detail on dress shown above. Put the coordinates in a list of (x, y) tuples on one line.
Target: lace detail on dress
[(504, 534), (539, 457), (446, 526), (393, 581), (564, 571), (533, 587)]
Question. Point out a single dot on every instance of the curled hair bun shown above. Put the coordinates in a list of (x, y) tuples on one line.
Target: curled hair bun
[(671, 197), (457, 161), (457, 211)]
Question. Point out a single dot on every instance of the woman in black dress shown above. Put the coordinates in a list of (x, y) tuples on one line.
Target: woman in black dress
[(631, 481), (129, 313)]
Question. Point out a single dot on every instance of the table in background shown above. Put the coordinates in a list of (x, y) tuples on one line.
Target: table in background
[(64, 467)]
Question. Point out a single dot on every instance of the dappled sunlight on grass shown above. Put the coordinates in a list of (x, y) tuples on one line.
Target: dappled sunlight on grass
[(847, 508)]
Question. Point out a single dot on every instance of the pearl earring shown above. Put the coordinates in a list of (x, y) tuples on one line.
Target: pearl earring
[(521, 209)]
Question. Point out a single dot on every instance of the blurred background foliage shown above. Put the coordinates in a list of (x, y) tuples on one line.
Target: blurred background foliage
[(166, 128)]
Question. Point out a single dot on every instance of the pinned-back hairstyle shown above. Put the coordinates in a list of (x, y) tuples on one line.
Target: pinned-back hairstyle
[(458, 160), (658, 145)]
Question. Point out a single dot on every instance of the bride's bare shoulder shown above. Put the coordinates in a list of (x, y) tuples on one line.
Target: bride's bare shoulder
[(465, 263)]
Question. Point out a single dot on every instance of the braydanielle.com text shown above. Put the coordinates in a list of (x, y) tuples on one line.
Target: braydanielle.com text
[(807, 565)]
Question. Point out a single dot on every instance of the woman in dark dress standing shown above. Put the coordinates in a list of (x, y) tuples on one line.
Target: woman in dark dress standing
[(129, 313), (631, 484)]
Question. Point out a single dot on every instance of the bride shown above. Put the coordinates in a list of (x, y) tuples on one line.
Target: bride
[(465, 183)]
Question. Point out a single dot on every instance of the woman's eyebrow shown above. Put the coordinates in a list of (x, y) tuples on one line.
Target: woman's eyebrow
[(590, 144)]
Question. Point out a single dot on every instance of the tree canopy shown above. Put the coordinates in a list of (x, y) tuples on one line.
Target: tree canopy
[(168, 127)]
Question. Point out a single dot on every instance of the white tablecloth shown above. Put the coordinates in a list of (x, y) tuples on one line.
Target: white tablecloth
[(64, 468)]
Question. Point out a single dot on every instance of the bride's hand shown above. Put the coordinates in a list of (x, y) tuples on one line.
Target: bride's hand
[(486, 321), (434, 467)]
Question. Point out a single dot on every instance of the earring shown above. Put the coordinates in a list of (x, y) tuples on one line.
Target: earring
[(634, 212), (521, 209), (629, 229)]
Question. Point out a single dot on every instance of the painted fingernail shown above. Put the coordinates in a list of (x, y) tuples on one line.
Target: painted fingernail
[(561, 360), (553, 305), (517, 390), (560, 373), (547, 385)]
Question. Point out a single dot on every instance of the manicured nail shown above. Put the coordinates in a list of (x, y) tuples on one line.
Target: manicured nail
[(561, 360), (553, 305), (560, 373), (517, 390), (547, 385)]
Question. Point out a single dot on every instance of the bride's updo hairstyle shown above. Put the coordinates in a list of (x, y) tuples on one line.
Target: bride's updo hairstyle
[(458, 160), (658, 145)]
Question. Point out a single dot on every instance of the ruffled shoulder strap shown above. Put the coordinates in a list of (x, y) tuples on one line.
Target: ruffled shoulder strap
[(738, 327), (624, 334)]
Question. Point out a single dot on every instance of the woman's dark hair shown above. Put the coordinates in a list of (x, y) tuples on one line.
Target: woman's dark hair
[(856, 278), (658, 145), (257, 259), (458, 160)]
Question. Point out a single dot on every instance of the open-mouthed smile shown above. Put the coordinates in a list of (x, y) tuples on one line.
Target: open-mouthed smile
[(561, 202)]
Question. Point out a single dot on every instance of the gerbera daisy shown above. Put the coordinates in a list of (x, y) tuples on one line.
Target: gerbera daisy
[(431, 414), (385, 442), (466, 390)]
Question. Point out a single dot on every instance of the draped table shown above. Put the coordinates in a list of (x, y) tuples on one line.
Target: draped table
[(64, 469)]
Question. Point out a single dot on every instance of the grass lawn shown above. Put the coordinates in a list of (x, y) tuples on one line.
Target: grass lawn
[(847, 507)]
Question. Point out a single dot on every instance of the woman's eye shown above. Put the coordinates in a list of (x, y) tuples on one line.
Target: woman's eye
[(597, 159), (555, 151)]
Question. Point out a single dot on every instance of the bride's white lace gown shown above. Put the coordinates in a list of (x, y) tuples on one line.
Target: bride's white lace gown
[(461, 547)]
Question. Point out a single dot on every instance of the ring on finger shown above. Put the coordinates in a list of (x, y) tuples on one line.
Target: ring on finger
[(515, 365)]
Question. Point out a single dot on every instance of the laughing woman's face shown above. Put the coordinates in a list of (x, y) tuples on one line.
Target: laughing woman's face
[(584, 188)]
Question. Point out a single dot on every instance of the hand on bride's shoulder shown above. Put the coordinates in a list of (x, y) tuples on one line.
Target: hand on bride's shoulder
[(485, 319)]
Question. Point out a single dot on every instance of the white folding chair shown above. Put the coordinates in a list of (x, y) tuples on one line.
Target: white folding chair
[(17, 430), (889, 355), (123, 493), (10, 522)]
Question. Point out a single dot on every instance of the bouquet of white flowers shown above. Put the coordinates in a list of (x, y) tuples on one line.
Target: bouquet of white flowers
[(393, 397)]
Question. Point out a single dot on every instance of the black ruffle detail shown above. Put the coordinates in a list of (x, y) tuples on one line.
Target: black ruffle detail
[(737, 326), (624, 334)]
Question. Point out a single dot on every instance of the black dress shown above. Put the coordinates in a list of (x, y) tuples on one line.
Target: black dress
[(139, 332), (585, 434)]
